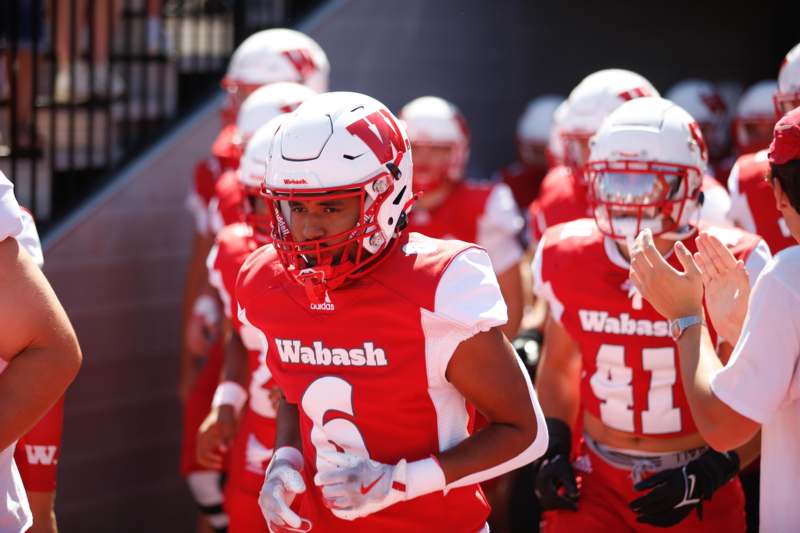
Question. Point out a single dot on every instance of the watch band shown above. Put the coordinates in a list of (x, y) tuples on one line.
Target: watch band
[(679, 325)]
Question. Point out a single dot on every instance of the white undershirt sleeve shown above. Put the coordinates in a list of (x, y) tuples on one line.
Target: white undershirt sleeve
[(28, 238), (500, 227), (739, 211), (468, 301), (10, 212)]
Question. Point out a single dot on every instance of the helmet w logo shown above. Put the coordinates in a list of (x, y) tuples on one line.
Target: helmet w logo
[(302, 61), (381, 134), (637, 92)]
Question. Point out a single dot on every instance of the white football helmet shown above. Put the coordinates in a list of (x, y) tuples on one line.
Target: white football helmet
[(590, 102), (271, 56), (266, 103), (555, 145), (755, 118), (646, 169), (338, 145), (703, 101), (252, 173), (534, 127), (787, 97), (440, 137)]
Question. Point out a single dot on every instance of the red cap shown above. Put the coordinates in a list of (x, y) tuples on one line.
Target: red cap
[(785, 145)]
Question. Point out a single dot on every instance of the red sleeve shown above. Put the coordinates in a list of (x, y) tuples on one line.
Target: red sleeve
[(38, 452)]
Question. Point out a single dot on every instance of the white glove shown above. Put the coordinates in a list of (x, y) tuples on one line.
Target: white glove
[(283, 481), (355, 486)]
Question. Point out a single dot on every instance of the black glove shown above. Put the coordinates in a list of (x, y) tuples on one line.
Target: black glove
[(556, 486), (678, 491)]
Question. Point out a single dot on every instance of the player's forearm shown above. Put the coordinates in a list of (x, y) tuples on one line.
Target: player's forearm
[(32, 383), (288, 426), (497, 448)]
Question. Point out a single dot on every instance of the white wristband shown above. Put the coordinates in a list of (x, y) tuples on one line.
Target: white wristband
[(206, 307), (424, 477), (229, 393), (291, 455)]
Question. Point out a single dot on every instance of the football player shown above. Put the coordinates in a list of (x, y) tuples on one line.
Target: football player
[(38, 451), (609, 361), (378, 339), (525, 175), (261, 106), (269, 56), (752, 200), (755, 118), (254, 442), (704, 102), (564, 192), (562, 196), (39, 354), (450, 206)]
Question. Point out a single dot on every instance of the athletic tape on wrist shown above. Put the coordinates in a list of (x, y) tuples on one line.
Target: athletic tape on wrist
[(229, 393), (424, 477)]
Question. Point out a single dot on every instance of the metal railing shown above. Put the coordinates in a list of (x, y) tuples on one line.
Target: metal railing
[(86, 85)]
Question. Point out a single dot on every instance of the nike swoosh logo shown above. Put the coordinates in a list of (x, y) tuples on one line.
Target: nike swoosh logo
[(368, 488)]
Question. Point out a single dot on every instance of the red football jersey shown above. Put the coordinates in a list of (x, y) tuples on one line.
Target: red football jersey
[(225, 208), (483, 213), (225, 156), (255, 439), (523, 180), (367, 368), (630, 378), (561, 199), (37, 452), (753, 202)]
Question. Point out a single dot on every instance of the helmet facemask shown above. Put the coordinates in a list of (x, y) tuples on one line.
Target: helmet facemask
[(436, 164), (629, 196), (326, 263), (785, 102)]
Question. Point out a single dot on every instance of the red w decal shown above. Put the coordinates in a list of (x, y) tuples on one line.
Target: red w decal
[(302, 61), (636, 92), (697, 135), (714, 103), (388, 136)]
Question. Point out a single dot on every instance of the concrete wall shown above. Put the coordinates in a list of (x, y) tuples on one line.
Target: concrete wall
[(119, 272), (118, 267)]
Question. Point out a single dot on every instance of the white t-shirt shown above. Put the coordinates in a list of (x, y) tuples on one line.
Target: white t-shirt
[(15, 514), (762, 382)]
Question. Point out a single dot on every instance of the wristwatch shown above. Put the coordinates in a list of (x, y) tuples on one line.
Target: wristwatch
[(679, 325)]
